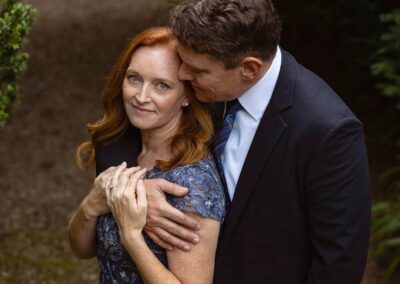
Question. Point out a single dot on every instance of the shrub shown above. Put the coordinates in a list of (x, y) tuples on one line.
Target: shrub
[(387, 64), (386, 222), (15, 21)]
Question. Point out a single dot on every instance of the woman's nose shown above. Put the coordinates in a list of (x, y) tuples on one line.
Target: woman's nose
[(143, 95)]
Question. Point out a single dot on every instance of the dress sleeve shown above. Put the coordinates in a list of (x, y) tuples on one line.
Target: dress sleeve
[(206, 195)]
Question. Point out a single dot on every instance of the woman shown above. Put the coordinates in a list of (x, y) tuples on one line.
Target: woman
[(143, 90)]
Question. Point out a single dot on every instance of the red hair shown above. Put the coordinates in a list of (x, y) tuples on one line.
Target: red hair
[(195, 132)]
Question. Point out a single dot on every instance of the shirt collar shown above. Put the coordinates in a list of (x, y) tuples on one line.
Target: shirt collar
[(255, 100)]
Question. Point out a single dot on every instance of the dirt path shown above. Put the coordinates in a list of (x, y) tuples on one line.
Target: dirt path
[(72, 46)]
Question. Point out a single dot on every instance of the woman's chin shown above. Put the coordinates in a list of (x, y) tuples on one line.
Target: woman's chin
[(142, 125)]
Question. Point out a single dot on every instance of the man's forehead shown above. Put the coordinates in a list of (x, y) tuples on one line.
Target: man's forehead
[(195, 59), (187, 51)]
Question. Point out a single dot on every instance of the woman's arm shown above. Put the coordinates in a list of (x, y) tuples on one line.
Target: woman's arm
[(82, 232), (128, 205), (82, 227), (195, 266)]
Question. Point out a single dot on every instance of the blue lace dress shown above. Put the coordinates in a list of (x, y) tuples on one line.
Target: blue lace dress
[(206, 198)]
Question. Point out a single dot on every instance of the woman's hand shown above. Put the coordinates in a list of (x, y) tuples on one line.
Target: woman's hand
[(82, 227), (95, 203), (126, 198)]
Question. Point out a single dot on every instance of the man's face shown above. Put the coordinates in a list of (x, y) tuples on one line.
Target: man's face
[(210, 80)]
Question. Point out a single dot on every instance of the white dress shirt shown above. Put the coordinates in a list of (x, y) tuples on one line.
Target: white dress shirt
[(254, 102)]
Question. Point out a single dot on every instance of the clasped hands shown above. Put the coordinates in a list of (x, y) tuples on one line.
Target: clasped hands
[(138, 204)]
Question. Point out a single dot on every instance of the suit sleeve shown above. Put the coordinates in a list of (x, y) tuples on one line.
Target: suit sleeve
[(123, 148), (337, 190)]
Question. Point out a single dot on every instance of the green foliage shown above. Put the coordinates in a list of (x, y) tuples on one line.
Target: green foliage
[(15, 21), (386, 223), (387, 62)]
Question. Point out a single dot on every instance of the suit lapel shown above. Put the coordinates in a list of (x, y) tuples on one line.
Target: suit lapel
[(267, 135), (270, 129)]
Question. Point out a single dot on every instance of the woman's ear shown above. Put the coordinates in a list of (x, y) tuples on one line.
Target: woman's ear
[(250, 68)]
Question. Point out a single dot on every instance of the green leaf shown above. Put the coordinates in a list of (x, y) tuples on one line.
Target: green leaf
[(379, 207), (389, 271), (15, 21)]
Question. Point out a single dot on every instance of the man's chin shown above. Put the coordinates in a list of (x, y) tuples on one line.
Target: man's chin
[(201, 96)]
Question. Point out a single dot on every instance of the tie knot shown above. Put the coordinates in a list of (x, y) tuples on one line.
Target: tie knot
[(233, 107)]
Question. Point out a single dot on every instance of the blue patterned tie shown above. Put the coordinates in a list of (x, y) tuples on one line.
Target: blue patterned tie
[(222, 137)]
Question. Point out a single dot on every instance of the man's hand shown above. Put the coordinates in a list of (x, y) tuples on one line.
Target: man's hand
[(167, 226)]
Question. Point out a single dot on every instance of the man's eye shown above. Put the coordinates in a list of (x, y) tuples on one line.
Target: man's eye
[(163, 86)]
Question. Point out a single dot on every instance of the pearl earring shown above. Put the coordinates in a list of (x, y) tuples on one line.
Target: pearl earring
[(185, 104)]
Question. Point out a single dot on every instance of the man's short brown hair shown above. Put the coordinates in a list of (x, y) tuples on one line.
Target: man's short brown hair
[(228, 30)]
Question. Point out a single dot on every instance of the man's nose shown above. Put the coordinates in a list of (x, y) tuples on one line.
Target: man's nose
[(184, 73)]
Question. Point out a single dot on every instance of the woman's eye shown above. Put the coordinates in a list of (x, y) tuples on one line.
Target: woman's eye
[(163, 86), (133, 78)]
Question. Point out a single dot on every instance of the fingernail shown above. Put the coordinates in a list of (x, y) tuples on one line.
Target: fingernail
[(170, 249), (196, 239), (186, 247)]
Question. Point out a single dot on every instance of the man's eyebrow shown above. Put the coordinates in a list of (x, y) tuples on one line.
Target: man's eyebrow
[(195, 68)]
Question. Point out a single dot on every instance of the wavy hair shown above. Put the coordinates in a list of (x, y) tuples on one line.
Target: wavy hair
[(195, 131)]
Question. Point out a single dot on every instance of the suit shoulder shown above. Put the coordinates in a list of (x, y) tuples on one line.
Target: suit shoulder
[(317, 103)]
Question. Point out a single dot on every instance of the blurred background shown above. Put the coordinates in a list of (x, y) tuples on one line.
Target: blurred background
[(353, 45)]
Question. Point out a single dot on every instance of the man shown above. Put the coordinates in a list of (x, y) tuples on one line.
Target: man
[(294, 164)]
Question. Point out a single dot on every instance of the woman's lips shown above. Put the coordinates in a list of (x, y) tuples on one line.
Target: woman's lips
[(141, 109)]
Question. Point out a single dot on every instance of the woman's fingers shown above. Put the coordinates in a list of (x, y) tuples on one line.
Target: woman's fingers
[(125, 185), (104, 178), (119, 180), (106, 172), (115, 176), (141, 195), (110, 169), (124, 179), (133, 180)]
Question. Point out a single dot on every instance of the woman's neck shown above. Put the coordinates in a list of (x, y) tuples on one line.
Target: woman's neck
[(155, 146)]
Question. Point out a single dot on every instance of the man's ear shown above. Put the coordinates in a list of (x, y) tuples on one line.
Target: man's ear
[(250, 68)]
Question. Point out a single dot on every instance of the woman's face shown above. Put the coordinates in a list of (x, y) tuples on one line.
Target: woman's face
[(152, 94)]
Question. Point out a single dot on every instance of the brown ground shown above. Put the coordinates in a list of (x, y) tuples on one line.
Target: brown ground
[(72, 46)]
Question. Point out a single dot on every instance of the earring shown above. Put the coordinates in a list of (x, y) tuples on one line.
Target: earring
[(185, 104)]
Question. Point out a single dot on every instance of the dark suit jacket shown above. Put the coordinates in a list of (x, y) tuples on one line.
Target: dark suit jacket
[(301, 209)]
